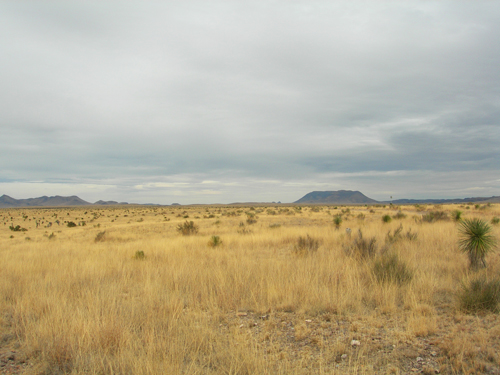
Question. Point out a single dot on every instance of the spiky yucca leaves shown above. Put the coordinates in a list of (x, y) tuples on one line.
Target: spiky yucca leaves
[(476, 241)]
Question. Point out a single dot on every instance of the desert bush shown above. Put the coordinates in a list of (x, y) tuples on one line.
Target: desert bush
[(390, 269), (480, 295), (456, 215), (274, 225), (495, 220), (398, 235), (100, 237), (306, 245), (362, 248), (214, 241), (17, 228), (411, 236), (52, 236), (71, 224), (395, 236), (476, 241), (433, 216), (399, 215), (361, 216), (337, 220), (187, 228), (386, 218), (251, 218), (139, 255)]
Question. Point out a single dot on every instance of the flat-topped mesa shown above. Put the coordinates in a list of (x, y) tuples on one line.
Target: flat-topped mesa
[(336, 197)]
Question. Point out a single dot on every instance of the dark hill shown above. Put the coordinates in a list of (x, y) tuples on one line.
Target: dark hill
[(57, 201), (336, 197)]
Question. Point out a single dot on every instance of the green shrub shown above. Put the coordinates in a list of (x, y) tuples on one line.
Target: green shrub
[(52, 236), (139, 255), (71, 224), (480, 295), (274, 225), (187, 228), (386, 218), (17, 228), (495, 220), (337, 220), (457, 215), (390, 269), (306, 245), (214, 241), (476, 241)]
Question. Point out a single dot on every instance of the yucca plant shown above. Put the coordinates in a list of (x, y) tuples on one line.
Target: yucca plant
[(476, 241)]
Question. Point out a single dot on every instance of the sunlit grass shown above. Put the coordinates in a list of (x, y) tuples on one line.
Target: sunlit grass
[(84, 301)]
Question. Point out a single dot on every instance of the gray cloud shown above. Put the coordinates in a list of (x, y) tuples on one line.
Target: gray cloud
[(140, 98)]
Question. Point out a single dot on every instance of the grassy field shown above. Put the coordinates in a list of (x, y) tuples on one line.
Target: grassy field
[(257, 290)]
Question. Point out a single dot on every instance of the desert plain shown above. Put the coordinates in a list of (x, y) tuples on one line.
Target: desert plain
[(257, 289)]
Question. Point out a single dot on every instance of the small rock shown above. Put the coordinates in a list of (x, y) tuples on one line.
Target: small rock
[(355, 343), (343, 356), (308, 320), (264, 317), (241, 314), (433, 353), (419, 359), (242, 325)]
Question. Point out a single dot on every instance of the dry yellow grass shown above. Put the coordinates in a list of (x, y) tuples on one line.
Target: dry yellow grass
[(254, 305)]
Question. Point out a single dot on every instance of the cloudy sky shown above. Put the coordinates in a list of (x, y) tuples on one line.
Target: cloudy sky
[(227, 101)]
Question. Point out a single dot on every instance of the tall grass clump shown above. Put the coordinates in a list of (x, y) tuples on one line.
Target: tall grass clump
[(475, 240), (480, 295), (306, 245), (495, 220), (434, 216), (361, 247), (399, 215), (390, 269)]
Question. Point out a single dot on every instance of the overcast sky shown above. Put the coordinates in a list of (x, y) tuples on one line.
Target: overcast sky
[(238, 101)]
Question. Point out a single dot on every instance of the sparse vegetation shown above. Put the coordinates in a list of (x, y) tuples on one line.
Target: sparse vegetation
[(285, 301)]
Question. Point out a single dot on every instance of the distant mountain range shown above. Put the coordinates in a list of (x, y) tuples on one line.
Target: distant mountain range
[(57, 201), (356, 197), (345, 197)]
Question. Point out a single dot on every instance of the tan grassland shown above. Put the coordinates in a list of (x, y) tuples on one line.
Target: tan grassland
[(253, 305)]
